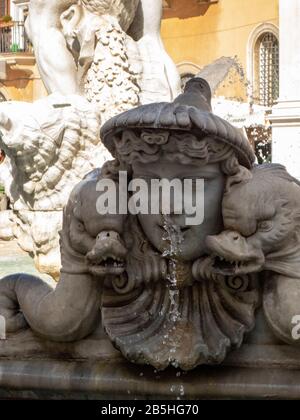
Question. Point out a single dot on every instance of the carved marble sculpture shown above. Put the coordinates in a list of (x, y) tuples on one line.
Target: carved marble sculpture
[(166, 292), (50, 147), (109, 51), (261, 220), (146, 278), (97, 59)]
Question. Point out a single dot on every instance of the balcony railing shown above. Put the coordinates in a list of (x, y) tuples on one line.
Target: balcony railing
[(13, 38)]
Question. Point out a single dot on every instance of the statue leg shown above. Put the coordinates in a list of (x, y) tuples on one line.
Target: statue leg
[(68, 312), (146, 31)]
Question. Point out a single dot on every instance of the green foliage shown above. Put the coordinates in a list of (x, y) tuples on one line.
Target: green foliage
[(15, 48)]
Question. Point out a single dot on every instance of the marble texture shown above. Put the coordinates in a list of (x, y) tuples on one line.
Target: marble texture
[(50, 146), (97, 59), (262, 368), (147, 270)]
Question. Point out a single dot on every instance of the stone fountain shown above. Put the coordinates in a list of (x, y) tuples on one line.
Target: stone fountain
[(97, 59), (148, 305)]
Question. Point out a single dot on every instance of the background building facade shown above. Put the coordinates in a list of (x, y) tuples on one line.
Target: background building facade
[(19, 77), (245, 32), (234, 42)]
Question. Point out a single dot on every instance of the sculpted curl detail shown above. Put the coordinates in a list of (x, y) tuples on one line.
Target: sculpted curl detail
[(147, 278), (181, 148)]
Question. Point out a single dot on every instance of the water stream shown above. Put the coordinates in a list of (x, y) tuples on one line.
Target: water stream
[(174, 237)]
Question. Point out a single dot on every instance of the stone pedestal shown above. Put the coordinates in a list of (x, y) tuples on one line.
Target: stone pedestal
[(92, 369), (285, 117)]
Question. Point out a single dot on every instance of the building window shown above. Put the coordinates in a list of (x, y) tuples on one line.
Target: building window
[(266, 69), (263, 64), (268, 51)]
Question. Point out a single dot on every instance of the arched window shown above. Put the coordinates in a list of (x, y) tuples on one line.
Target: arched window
[(263, 64), (267, 51)]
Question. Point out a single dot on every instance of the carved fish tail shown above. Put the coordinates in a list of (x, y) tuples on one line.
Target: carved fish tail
[(9, 304)]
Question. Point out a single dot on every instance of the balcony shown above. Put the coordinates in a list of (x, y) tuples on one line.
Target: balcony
[(13, 38)]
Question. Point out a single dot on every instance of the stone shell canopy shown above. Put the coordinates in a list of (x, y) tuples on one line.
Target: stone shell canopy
[(191, 112)]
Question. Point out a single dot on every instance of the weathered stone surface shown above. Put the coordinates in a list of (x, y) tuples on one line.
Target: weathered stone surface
[(154, 297), (50, 146), (97, 59), (167, 293), (6, 225), (205, 321), (258, 370), (261, 219), (109, 51)]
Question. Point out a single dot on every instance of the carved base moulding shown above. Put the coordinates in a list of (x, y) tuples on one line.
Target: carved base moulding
[(93, 369), (31, 367), (119, 381)]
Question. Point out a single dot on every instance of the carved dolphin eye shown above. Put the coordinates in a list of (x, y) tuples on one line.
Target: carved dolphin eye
[(80, 226), (265, 225)]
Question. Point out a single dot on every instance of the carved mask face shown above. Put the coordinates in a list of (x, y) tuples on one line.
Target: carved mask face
[(192, 237)]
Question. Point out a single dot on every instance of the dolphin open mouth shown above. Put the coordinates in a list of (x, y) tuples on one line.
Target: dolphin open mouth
[(108, 266), (234, 268), (107, 257), (232, 255), (226, 267)]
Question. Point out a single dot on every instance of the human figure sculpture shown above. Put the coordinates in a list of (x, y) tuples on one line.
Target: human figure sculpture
[(144, 277), (167, 292), (44, 26), (97, 58), (64, 34)]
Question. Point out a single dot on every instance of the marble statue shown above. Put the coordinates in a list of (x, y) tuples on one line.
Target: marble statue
[(261, 221), (136, 291), (103, 49), (50, 146), (144, 277), (149, 289), (97, 59)]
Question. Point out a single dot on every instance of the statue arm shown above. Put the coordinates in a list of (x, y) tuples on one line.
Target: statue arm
[(55, 62), (152, 12)]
